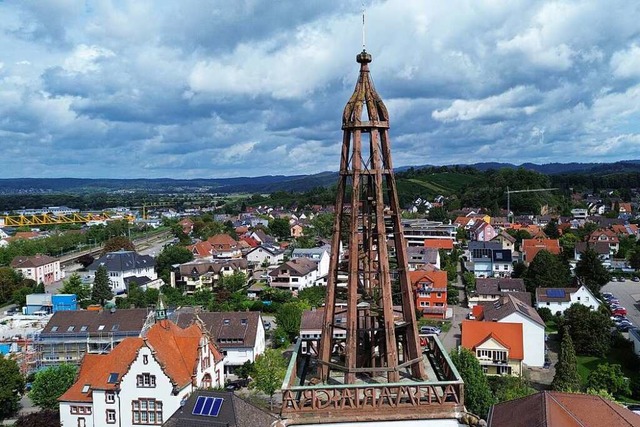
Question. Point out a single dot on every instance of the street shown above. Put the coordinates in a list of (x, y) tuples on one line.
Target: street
[(628, 292)]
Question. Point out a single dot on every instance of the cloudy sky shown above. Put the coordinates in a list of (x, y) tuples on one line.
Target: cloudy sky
[(222, 88)]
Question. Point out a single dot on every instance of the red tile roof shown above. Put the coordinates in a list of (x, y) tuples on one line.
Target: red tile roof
[(509, 335), (531, 247), (555, 409), (437, 277), (438, 243)]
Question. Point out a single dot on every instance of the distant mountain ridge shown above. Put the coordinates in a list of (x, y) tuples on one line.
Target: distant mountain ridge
[(269, 183)]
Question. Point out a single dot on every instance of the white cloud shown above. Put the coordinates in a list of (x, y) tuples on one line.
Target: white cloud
[(626, 63), (84, 59), (505, 105)]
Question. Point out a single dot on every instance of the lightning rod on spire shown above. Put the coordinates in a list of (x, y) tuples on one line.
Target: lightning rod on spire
[(363, 27)]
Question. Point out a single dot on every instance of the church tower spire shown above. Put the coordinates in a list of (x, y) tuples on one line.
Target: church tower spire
[(381, 340)]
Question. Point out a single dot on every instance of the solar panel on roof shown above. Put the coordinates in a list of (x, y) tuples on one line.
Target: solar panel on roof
[(555, 293), (208, 406), (113, 378)]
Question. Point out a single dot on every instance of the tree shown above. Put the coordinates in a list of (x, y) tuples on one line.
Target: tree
[(279, 227), (50, 384), (634, 258), (118, 243), (169, 256), (11, 387), (609, 378), (313, 295), (47, 418), (477, 393), (234, 282), (74, 285), (508, 388), (101, 291), (546, 271), (567, 377), (269, 371), (589, 330), (590, 270), (9, 280), (519, 270), (289, 316), (551, 229), (245, 370)]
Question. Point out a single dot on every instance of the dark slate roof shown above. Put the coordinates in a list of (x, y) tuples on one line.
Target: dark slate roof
[(122, 321), (507, 305), (139, 280), (493, 285), (235, 412), (502, 255), (495, 245), (228, 326), (123, 261), (426, 255), (601, 248)]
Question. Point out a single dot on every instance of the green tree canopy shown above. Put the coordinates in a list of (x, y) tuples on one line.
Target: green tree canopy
[(74, 285), (169, 256), (50, 384), (547, 271), (269, 371), (11, 387), (609, 378), (289, 316), (118, 243), (591, 272), (508, 388), (279, 227), (235, 281), (589, 330), (313, 295), (101, 291), (477, 393), (566, 378), (46, 418), (551, 229)]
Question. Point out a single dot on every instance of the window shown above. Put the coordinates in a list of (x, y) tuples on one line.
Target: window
[(226, 321), (578, 298), (110, 397), (101, 327), (54, 329), (146, 411), (83, 328), (146, 380), (439, 295), (145, 359), (82, 422), (111, 416), (70, 328)]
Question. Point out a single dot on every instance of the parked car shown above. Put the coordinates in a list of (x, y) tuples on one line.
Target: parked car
[(430, 330), (624, 327), (620, 311), (635, 279), (613, 301), (621, 279), (267, 326)]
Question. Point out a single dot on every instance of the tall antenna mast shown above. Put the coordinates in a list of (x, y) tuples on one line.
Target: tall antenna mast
[(363, 26)]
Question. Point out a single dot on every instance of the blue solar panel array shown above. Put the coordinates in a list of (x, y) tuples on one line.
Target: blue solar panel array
[(208, 406), (555, 293)]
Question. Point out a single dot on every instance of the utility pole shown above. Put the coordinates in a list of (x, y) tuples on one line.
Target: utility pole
[(509, 192)]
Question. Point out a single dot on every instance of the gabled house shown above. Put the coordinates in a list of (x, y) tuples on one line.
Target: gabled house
[(121, 265), (270, 255), (506, 240), (559, 299), (531, 247), (206, 273), (224, 246), (143, 380), (420, 257), (482, 232), (239, 335), (492, 289), (601, 248), (502, 263), (319, 255), (296, 230), (510, 309), (499, 347), (626, 230), (187, 226), (262, 237), (201, 249), (605, 236), (41, 268), (430, 291), (295, 274)]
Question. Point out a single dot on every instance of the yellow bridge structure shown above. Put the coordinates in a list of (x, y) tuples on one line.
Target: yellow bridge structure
[(51, 219)]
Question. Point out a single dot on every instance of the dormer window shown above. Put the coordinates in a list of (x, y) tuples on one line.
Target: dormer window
[(226, 321), (70, 328), (243, 321)]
